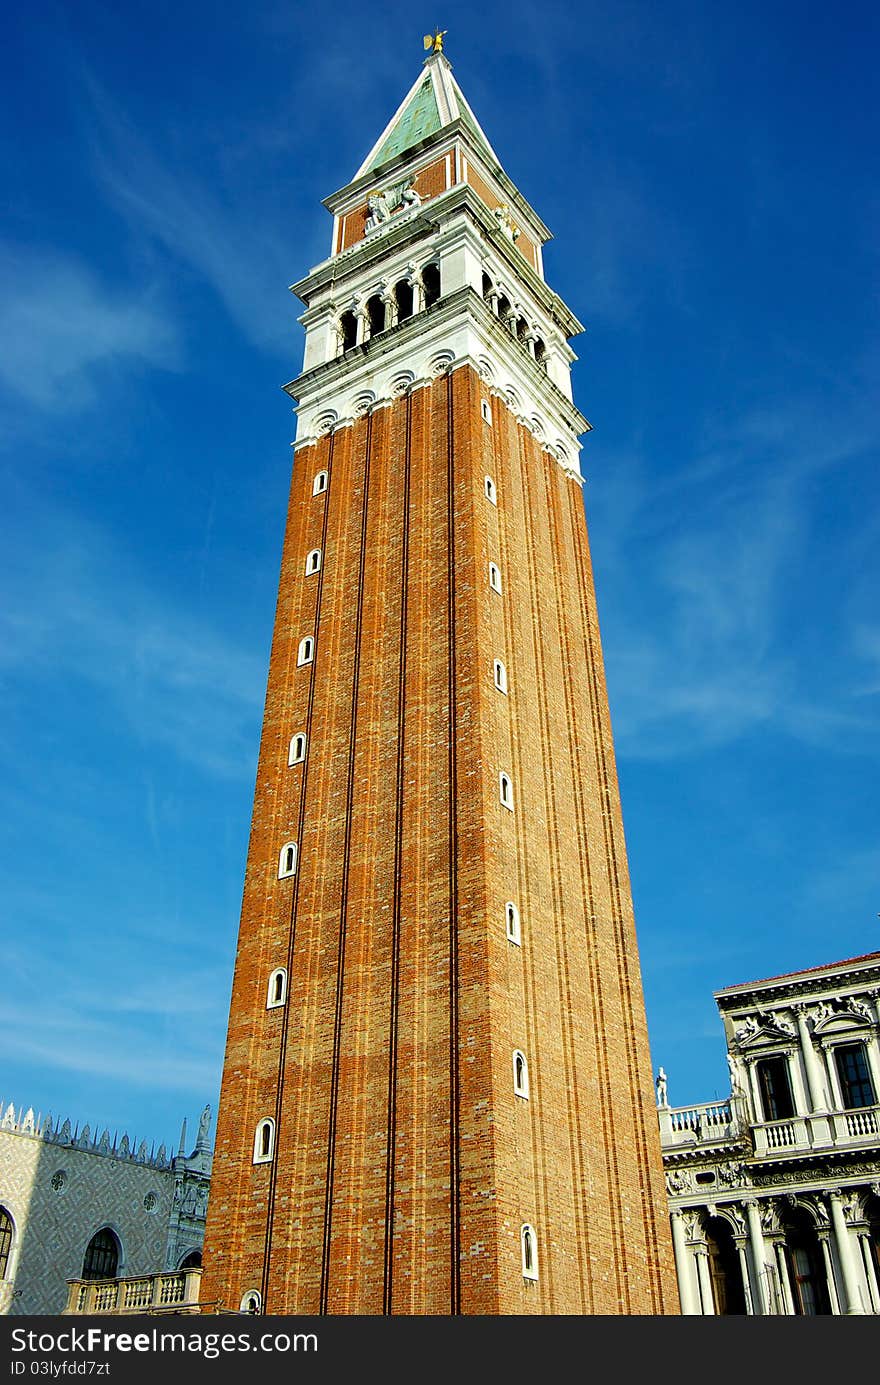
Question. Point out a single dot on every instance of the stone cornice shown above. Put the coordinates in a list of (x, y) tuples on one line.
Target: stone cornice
[(798, 985)]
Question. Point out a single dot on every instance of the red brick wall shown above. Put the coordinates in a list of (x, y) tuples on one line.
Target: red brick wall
[(405, 1165), (524, 243)]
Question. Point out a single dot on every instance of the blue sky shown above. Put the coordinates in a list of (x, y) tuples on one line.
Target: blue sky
[(707, 173)]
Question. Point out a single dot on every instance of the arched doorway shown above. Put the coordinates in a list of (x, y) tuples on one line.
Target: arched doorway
[(806, 1267), (724, 1268)]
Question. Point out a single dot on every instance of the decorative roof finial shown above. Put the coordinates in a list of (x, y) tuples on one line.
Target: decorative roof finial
[(435, 41)]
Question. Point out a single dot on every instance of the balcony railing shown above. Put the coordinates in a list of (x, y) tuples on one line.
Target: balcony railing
[(683, 1127), (152, 1293), (708, 1123), (856, 1129)]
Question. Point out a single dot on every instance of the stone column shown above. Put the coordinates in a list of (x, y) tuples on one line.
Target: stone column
[(784, 1283), (704, 1280), (744, 1271), (843, 1246), (829, 1273), (815, 1085), (757, 1106), (759, 1256), (363, 326), (683, 1267), (389, 298)]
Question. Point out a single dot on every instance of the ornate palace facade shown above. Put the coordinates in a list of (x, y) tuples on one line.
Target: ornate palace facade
[(775, 1193)]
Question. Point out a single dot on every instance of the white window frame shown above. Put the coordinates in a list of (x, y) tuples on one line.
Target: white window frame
[(306, 652), (505, 790), (320, 483), (295, 756), (512, 923), (530, 1271), (251, 1302), (285, 871), (495, 578), (272, 1001), (259, 1156), (520, 1081), (490, 490), (313, 562), (499, 676)]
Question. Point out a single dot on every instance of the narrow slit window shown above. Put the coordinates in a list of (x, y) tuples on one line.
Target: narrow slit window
[(495, 577), (491, 494), (529, 1243), (514, 930), (297, 752), (276, 993), (287, 861), (500, 676), (264, 1141), (520, 1074), (319, 485), (313, 562), (486, 411), (506, 790), (306, 651)]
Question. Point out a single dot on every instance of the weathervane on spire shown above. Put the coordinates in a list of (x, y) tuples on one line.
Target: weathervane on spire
[(435, 41)]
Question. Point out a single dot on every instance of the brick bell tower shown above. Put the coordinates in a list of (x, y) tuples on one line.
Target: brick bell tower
[(437, 1094)]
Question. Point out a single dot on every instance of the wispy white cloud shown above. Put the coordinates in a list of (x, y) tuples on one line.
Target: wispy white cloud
[(73, 606), (59, 325), (696, 624), (245, 258)]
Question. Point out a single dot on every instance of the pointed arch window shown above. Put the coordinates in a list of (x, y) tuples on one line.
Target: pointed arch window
[(264, 1141), (7, 1230), (297, 752), (499, 674), (505, 790), (306, 651), (320, 483), (529, 1247), (512, 921), (313, 562), (495, 578), (287, 861), (276, 993), (520, 1074)]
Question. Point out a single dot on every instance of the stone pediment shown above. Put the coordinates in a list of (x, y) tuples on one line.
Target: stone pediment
[(847, 1016), (762, 1030)]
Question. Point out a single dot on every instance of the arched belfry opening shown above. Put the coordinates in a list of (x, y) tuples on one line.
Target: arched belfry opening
[(431, 281), (403, 297)]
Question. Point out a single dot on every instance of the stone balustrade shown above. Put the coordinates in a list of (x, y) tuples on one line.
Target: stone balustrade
[(154, 1293), (708, 1123)]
